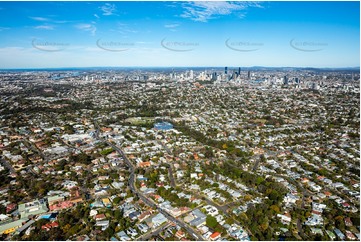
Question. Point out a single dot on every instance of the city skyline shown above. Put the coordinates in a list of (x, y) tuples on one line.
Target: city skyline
[(149, 34)]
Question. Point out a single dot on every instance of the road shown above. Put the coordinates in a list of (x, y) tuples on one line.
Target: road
[(147, 201), (169, 166), (152, 233), (165, 147), (170, 174), (31, 146), (171, 177), (7, 164), (300, 230), (305, 192), (232, 204), (221, 208), (258, 160), (210, 202)]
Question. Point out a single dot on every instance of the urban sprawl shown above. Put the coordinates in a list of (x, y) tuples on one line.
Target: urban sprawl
[(180, 154)]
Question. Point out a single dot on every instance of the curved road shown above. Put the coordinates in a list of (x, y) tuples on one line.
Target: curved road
[(131, 182)]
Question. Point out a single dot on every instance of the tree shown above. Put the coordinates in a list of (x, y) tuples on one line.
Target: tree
[(275, 208), (66, 228), (117, 200), (247, 198), (73, 230), (81, 158), (2, 209), (40, 223), (264, 224), (211, 221), (107, 151), (60, 165), (68, 129), (108, 232), (259, 180), (118, 214), (209, 153), (5, 179)]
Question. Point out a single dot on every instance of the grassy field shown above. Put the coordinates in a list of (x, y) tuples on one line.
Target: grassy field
[(259, 121), (139, 120)]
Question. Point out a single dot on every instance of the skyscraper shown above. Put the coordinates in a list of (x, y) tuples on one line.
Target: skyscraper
[(249, 74), (234, 75), (225, 70), (285, 80), (239, 70), (214, 76)]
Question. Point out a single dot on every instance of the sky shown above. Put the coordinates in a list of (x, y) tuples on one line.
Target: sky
[(177, 34)]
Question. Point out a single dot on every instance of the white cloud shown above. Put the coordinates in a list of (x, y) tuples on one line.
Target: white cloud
[(203, 11), (46, 27), (39, 19), (108, 9), (172, 27), (96, 15), (12, 48), (42, 19), (87, 27), (125, 29), (143, 42), (3, 28), (62, 21)]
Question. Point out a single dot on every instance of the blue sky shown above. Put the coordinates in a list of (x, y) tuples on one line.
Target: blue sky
[(89, 34)]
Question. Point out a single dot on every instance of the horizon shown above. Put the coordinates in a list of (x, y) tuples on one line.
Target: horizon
[(182, 67), (179, 34)]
